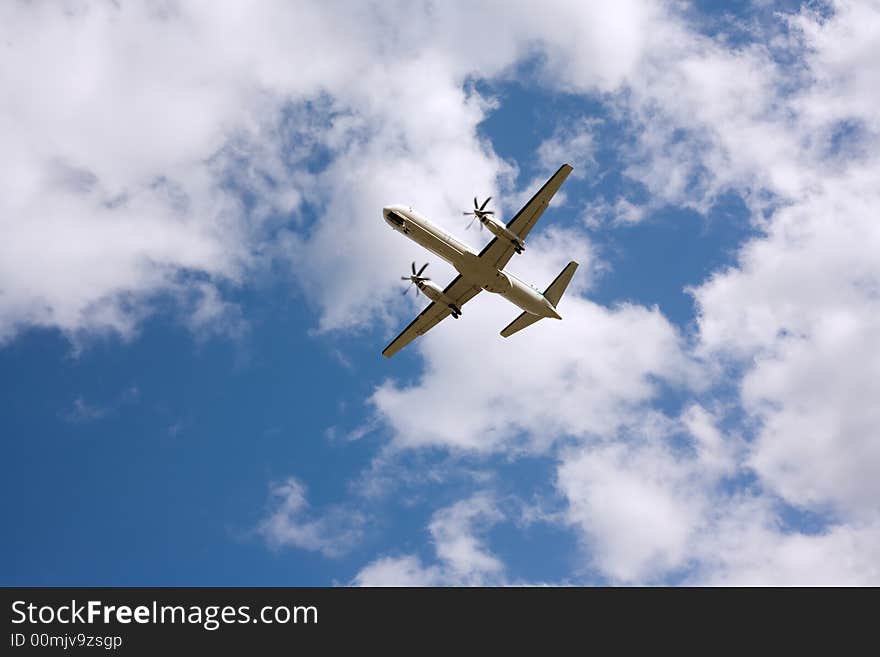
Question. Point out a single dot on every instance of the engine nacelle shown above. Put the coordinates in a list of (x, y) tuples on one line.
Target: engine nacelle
[(435, 293), (501, 231)]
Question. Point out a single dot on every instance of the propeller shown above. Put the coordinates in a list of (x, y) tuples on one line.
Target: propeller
[(478, 212), (415, 278)]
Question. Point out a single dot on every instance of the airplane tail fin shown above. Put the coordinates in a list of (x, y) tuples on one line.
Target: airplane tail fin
[(556, 289), (553, 294)]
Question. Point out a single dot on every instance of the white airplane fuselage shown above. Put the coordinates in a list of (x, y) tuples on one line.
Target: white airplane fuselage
[(467, 262)]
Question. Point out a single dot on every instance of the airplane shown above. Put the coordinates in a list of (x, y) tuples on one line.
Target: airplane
[(479, 271)]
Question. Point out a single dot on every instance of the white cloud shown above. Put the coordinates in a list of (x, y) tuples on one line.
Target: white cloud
[(842, 52), (458, 535), (816, 397), (798, 312), (717, 454), (209, 313), (647, 512), (85, 412), (621, 212), (712, 118), (636, 525), (591, 374), (110, 119), (456, 532), (574, 144), (118, 164), (648, 509), (399, 571), (290, 523), (639, 502), (800, 308), (747, 548)]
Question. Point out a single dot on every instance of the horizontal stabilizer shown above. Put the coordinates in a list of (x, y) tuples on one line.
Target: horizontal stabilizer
[(555, 290), (521, 322)]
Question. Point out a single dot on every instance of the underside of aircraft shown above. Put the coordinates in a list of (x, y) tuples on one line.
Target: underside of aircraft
[(482, 270)]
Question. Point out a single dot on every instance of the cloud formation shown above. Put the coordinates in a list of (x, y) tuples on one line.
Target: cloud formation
[(796, 315), (457, 533), (290, 523), (196, 144)]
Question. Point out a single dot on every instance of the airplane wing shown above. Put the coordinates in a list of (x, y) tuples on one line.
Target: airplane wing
[(459, 290), (499, 251)]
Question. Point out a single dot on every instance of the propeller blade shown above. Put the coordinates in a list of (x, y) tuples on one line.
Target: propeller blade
[(405, 278), (414, 268), (485, 202), (471, 222), (422, 269), (476, 205)]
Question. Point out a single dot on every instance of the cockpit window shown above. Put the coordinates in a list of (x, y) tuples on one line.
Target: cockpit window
[(395, 218)]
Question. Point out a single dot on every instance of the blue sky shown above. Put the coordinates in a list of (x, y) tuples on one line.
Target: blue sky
[(196, 285)]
